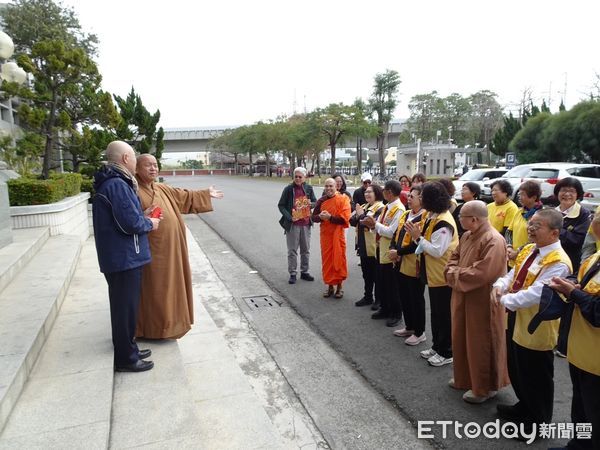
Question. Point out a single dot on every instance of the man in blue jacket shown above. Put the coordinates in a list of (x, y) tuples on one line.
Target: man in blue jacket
[(120, 230)]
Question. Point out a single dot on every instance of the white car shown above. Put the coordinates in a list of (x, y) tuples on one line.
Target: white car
[(547, 174), (478, 176)]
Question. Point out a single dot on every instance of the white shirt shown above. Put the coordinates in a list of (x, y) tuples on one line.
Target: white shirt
[(567, 211), (389, 230), (440, 241), (531, 296)]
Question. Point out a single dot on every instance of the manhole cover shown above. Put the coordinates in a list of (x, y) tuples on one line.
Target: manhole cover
[(260, 301)]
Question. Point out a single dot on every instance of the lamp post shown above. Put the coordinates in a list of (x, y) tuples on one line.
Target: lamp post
[(10, 72)]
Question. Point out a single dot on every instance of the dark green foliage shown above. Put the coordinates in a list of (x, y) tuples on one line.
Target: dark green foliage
[(138, 126), (572, 135), (30, 191), (87, 185)]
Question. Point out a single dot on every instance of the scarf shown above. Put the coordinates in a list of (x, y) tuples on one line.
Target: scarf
[(527, 213), (125, 173)]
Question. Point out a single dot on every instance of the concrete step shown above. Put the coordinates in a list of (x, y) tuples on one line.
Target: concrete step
[(66, 402), (26, 243), (28, 308)]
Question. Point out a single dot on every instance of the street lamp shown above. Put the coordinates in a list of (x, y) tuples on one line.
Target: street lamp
[(10, 71)]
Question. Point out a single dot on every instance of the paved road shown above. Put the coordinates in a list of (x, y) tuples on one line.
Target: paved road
[(247, 219)]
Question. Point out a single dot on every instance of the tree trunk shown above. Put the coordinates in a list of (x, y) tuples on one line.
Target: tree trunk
[(381, 154), (332, 164), (49, 137), (235, 163), (267, 165), (250, 171)]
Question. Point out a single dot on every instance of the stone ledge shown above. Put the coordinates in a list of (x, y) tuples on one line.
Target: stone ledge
[(64, 204)]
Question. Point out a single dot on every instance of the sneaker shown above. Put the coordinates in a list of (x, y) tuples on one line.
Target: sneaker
[(439, 361), (307, 276), (469, 397), (292, 279), (403, 332), (415, 340), (428, 353)]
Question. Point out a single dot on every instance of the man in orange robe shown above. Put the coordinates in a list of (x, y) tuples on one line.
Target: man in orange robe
[(333, 212), (167, 301)]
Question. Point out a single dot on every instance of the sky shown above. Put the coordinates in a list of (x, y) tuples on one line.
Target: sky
[(234, 62)]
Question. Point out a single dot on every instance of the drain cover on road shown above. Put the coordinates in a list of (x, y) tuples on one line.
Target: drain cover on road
[(260, 301)]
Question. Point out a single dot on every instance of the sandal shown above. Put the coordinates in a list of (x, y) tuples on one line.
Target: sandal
[(328, 292), (339, 293)]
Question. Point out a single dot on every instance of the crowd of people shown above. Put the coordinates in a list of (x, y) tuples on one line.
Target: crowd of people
[(509, 287)]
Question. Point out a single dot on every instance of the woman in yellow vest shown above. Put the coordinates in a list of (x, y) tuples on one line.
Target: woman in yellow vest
[(502, 210), (366, 244), (434, 246), (583, 343), (402, 252)]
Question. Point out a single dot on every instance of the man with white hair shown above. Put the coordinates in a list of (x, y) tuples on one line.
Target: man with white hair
[(120, 231), (295, 205), (359, 194)]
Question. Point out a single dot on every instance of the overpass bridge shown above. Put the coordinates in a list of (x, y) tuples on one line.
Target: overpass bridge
[(198, 139)]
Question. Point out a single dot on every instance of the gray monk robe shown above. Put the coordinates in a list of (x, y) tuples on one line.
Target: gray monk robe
[(478, 336), (167, 302)]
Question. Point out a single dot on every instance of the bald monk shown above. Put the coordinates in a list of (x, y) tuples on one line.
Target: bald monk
[(333, 212), (167, 304), (478, 340), (121, 234)]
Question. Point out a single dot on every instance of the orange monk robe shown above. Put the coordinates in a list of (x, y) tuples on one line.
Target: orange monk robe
[(333, 239), (478, 337), (167, 301)]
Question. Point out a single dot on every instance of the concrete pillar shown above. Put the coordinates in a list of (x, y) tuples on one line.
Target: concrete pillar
[(5, 220)]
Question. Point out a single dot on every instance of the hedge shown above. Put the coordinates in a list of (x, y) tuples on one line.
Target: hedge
[(31, 191)]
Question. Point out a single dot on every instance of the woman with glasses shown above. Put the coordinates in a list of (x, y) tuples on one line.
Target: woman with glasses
[(402, 252), (470, 191), (405, 183), (366, 244), (576, 219), (502, 210), (516, 237)]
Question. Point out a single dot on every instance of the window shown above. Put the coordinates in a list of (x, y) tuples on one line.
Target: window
[(588, 172), (542, 173)]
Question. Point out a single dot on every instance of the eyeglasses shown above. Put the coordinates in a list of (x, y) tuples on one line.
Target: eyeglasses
[(534, 225), (369, 191), (568, 191), (298, 176)]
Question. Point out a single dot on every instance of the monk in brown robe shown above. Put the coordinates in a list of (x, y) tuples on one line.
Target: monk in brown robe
[(478, 340), (167, 302), (333, 212)]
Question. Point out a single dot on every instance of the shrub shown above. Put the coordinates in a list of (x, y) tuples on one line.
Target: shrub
[(30, 191), (87, 185)]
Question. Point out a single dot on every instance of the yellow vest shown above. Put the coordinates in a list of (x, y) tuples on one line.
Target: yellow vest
[(584, 339), (546, 335), (502, 215), (384, 242), (408, 263), (370, 241), (434, 267)]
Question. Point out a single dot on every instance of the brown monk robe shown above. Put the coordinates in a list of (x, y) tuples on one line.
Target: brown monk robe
[(478, 340), (167, 301), (333, 212)]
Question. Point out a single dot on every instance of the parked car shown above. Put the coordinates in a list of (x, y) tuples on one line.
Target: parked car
[(591, 199), (548, 174), (478, 176)]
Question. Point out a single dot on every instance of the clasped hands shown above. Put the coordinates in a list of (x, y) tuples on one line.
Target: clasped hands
[(325, 215)]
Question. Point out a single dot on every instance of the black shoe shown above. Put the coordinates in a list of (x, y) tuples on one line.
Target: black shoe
[(292, 279), (509, 411), (143, 354), (139, 366), (375, 306), (363, 302), (307, 276), (379, 315), (393, 321)]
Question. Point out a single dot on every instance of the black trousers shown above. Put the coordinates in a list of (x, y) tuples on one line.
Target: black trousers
[(413, 303), (531, 374), (585, 407), (387, 291), (441, 324), (124, 289), (368, 265)]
